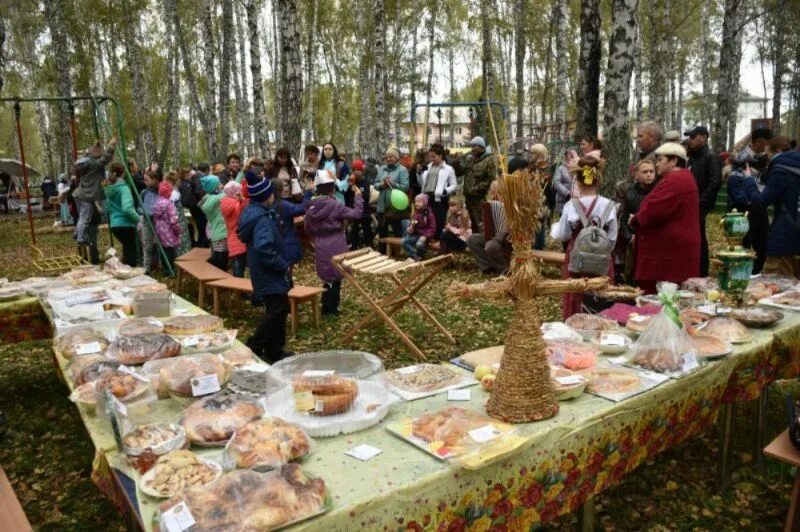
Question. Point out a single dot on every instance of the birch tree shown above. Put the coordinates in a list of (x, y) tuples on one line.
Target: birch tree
[(381, 118), (291, 74), (519, 63), (211, 81), (588, 96), (562, 65), (727, 57), (244, 124), (365, 126), (431, 49), (778, 55), (60, 47), (310, 53), (259, 110), (617, 90), (225, 62)]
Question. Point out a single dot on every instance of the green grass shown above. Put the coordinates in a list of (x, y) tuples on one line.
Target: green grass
[(48, 457)]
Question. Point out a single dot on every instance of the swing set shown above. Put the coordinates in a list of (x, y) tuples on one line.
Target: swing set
[(51, 264)]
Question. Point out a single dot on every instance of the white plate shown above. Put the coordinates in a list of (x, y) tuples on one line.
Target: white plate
[(152, 472)]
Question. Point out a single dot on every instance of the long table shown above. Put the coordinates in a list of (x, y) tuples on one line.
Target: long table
[(587, 448)]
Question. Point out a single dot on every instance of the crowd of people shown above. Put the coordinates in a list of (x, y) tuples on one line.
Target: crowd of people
[(248, 213)]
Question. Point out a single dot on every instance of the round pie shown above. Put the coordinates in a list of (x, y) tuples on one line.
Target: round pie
[(134, 326), (423, 377), (658, 359), (709, 346), (693, 318), (70, 343), (178, 375), (238, 356), (269, 442), (727, 329), (756, 317), (182, 325), (611, 380), (134, 350), (590, 322), (638, 323), (332, 394), (153, 437), (213, 420), (96, 369), (121, 384)]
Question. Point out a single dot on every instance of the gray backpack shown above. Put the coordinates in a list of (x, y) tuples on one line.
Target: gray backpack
[(591, 251)]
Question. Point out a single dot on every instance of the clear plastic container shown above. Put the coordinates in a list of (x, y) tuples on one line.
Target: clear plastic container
[(79, 342), (264, 444), (136, 350), (143, 444), (193, 376), (155, 304)]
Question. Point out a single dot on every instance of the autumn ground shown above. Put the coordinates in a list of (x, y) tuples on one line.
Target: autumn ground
[(48, 457)]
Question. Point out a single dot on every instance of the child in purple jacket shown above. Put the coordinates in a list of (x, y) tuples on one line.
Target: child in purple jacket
[(165, 219), (421, 229), (324, 223)]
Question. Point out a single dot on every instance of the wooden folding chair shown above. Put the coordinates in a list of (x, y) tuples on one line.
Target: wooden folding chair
[(408, 278)]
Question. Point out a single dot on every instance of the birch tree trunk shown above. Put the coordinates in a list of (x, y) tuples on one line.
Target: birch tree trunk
[(679, 107), (588, 97), (451, 76), (429, 81), (211, 83), (237, 75), (733, 108), (259, 111), (47, 138), (555, 12), (277, 74), (638, 72), (562, 64), (176, 132), (487, 81), (145, 145), (727, 57), (366, 128), (617, 92), (379, 43), (52, 13), (657, 93), (705, 75), (777, 45), (226, 59), (310, 53), (172, 88), (519, 64), (2, 56), (292, 74)]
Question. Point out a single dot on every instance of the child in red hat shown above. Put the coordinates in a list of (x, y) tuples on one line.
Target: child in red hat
[(165, 219)]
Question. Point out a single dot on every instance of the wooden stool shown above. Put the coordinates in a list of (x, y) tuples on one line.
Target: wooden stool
[(304, 294), (12, 517), (782, 449), (234, 284), (203, 272)]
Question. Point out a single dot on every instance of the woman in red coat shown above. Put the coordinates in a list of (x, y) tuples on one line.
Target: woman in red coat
[(667, 225)]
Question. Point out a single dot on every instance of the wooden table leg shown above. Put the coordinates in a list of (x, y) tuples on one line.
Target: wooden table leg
[(201, 296), (293, 310), (761, 416), (793, 517), (215, 292), (315, 309), (586, 516), (725, 420)]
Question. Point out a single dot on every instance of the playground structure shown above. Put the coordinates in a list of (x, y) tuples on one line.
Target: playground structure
[(53, 264)]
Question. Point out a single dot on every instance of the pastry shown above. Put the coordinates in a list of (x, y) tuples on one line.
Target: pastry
[(483, 357), (270, 442), (637, 322), (727, 329), (177, 376), (572, 355), (573, 380), (177, 470), (555, 330), (244, 500), (134, 326), (155, 436), (122, 384), (134, 350), (611, 380), (84, 395), (184, 325), (213, 420), (693, 318), (790, 298), (70, 343), (709, 346), (209, 341), (658, 359), (756, 317), (239, 356), (96, 369), (590, 322), (248, 383), (449, 426), (423, 377), (332, 394)]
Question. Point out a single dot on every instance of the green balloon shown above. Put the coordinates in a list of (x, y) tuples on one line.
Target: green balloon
[(399, 199)]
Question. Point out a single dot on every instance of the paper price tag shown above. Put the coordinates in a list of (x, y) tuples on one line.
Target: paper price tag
[(205, 385), (191, 341), (304, 401), (638, 319), (318, 372), (458, 395), (87, 349), (723, 310), (613, 340), (618, 360), (707, 309), (364, 452), (178, 518), (319, 406), (484, 434), (690, 362), (570, 379), (125, 369), (408, 369)]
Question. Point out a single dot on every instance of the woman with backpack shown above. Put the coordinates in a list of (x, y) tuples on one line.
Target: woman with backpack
[(588, 225)]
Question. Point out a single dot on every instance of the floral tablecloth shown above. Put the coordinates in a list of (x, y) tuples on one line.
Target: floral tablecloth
[(22, 320), (588, 447)]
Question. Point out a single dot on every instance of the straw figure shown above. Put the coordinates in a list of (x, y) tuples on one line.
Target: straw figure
[(523, 390)]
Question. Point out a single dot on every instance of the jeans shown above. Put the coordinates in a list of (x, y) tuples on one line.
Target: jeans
[(239, 264), (704, 261), (331, 297), (383, 230), (415, 245), (126, 237), (148, 240), (269, 338), (85, 209)]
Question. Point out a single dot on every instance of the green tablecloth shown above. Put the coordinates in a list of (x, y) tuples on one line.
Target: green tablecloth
[(585, 449)]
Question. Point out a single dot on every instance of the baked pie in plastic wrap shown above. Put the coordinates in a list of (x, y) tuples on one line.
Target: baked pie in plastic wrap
[(267, 443), (176, 471), (135, 350), (185, 325), (72, 343), (213, 420)]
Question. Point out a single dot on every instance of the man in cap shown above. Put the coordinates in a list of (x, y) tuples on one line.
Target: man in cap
[(481, 171), (269, 270), (391, 175), (707, 172), (91, 171)]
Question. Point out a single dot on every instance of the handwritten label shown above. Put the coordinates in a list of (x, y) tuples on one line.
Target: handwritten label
[(318, 372), (707, 309), (484, 434), (205, 385), (178, 518), (690, 362), (723, 310), (364, 452), (88, 349), (458, 395), (638, 319), (304, 401), (191, 341)]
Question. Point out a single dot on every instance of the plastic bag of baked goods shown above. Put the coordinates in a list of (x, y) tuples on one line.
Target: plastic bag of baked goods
[(264, 444), (135, 350), (84, 341), (194, 375), (664, 346)]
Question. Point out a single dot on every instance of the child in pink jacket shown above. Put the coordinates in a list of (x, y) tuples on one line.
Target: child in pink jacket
[(421, 229), (165, 218)]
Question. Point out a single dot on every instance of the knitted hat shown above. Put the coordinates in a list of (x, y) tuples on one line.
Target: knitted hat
[(422, 198), (672, 148), (358, 165), (210, 183), (478, 141), (165, 190), (258, 188), (232, 189), (393, 152), (322, 178)]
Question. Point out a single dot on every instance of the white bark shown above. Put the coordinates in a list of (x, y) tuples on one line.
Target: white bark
[(562, 64), (519, 64), (214, 154), (291, 85), (727, 57), (259, 111), (379, 43), (588, 94), (431, 48), (310, 54)]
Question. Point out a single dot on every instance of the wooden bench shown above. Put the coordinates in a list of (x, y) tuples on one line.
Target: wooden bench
[(200, 270), (551, 257), (394, 245), (242, 285), (12, 517), (196, 254)]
